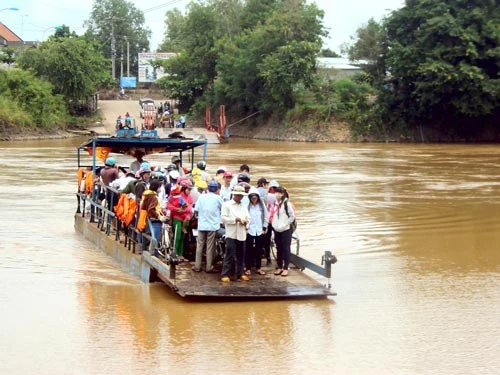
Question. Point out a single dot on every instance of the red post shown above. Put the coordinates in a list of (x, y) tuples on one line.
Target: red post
[(222, 120), (207, 117)]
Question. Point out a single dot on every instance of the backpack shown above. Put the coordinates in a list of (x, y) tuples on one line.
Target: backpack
[(293, 226)]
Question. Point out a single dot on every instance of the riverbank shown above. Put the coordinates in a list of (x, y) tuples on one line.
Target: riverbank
[(335, 132), (11, 135)]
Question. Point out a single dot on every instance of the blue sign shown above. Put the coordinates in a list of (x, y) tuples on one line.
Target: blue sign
[(130, 82)]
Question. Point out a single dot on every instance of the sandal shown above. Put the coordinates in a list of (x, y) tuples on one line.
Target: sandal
[(260, 272), (284, 273), (278, 271), (248, 272)]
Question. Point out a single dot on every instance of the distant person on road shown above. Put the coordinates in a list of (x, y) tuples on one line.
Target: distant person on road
[(128, 120), (119, 123)]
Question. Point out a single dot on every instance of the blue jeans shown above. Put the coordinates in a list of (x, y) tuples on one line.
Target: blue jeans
[(156, 226), (283, 241), (235, 253)]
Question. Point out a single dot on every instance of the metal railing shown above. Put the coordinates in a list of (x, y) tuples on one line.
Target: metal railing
[(137, 241)]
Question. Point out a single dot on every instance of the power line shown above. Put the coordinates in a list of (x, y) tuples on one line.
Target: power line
[(171, 2)]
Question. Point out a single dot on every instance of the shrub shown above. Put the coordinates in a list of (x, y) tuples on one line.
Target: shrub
[(23, 92)]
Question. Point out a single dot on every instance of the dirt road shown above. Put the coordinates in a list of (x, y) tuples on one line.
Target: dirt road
[(111, 109)]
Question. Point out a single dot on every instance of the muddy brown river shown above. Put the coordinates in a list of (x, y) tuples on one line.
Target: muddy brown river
[(416, 229)]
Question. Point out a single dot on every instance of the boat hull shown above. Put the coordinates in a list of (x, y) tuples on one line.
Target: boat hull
[(200, 285)]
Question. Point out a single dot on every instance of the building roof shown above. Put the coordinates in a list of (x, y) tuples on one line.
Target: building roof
[(8, 35), (340, 63)]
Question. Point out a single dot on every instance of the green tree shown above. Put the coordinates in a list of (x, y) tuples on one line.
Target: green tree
[(327, 52), (113, 23), (27, 101), (444, 58), (193, 36), (175, 26), (74, 66), (7, 55), (370, 47), (263, 67)]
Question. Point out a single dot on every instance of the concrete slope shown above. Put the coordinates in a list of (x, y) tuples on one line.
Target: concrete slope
[(111, 109)]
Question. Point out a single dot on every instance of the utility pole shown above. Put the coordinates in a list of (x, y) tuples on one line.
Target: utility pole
[(121, 63), (128, 58), (113, 52)]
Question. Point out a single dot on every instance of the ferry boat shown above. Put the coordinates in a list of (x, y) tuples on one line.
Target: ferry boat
[(156, 261)]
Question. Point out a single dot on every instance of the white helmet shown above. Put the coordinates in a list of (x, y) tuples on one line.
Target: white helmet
[(174, 175)]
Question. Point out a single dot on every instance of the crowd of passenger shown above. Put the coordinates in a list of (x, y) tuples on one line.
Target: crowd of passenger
[(250, 214)]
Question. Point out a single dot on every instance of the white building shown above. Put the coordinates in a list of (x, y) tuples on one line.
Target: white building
[(337, 67)]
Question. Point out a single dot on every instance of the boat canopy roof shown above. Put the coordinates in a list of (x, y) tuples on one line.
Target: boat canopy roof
[(147, 145)]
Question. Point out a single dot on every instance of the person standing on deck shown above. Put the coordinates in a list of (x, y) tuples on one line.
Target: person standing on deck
[(235, 217), (226, 188), (208, 207), (151, 204), (108, 175), (269, 200), (176, 160), (219, 175), (143, 183), (262, 187), (243, 169), (181, 209), (136, 164), (283, 216), (259, 218)]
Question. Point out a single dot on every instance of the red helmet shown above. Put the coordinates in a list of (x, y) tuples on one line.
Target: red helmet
[(186, 183)]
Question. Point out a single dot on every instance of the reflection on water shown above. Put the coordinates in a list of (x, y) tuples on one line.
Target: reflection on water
[(416, 230)]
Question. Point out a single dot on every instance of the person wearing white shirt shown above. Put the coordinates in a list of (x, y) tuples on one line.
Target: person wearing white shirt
[(236, 218), (259, 218)]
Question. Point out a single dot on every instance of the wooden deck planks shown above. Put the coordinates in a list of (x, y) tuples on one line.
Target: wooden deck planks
[(188, 283)]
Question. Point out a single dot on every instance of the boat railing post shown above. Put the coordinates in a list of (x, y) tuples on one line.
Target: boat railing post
[(328, 260), (296, 237)]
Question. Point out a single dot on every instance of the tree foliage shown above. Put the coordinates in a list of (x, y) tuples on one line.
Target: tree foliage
[(444, 59), (250, 55), (29, 101), (116, 22), (327, 52), (73, 66), (7, 55), (193, 37), (370, 47)]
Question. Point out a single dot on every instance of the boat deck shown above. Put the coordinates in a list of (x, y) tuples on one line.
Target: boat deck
[(188, 283)]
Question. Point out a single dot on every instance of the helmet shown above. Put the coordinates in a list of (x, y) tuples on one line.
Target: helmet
[(273, 183), (171, 167), (243, 177), (201, 184), (246, 185), (175, 159), (202, 165), (213, 186), (145, 164), (110, 161), (144, 169), (186, 183), (174, 175)]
